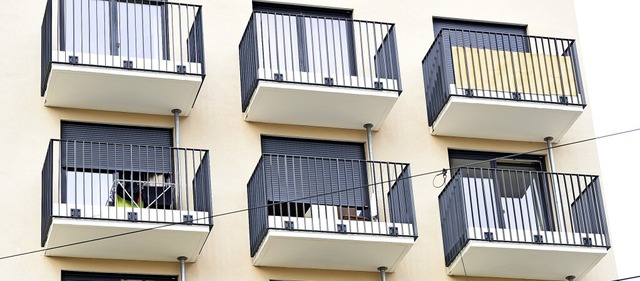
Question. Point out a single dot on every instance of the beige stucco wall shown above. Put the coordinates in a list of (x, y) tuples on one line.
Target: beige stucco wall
[(216, 123)]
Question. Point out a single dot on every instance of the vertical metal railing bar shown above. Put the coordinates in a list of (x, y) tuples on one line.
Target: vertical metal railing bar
[(532, 71), (590, 223), (486, 70), (553, 73), (359, 164), (473, 60), (563, 210), (521, 55), (291, 47), (539, 54), (561, 82), (497, 205), (581, 222), (564, 44), (386, 207), (343, 51), (361, 44)]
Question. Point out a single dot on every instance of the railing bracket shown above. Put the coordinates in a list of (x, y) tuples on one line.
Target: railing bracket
[(187, 219), (132, 216), (516, 96), (181, 69), (378, 85), (73, 59), (393, 231), (587, 241), (76, 213), (328, 81), (278, 77), (127, 64), (538, 239), (289, 225), (342, 228), (488, 236)]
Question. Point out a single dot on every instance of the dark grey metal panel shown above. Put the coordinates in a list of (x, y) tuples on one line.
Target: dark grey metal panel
[(439, 24), (338, 171), (314, 148), (112, 147)]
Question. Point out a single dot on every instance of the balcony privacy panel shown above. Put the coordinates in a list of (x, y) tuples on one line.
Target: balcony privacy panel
[(523, 207), (110, 147)]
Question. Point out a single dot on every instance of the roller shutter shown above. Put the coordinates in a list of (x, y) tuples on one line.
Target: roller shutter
[(115, 148), (303, 170)]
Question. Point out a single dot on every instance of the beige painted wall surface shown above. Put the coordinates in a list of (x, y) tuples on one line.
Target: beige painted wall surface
[(216, 123)]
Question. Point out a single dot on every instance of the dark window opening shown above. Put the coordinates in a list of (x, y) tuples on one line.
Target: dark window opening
[(318, 40), (96, 276), (509, 192)]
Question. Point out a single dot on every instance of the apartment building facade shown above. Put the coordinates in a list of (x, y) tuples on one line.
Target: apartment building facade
[(302, 140)]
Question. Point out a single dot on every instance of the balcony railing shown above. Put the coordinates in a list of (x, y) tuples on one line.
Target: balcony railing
[(331, 195), (149, 35), (521, 207), (500, 66), (123, 182), (317, 50)]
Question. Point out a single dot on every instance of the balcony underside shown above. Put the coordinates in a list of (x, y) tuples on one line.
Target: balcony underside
[(334, 251), (525, 260), (319, 105), (121, 90), (504, 119), (148, 243)]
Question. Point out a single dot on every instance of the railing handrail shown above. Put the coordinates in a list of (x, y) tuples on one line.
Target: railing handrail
[(439, 35), (323, 17), (132, 145), (334, 158), (457, 171)]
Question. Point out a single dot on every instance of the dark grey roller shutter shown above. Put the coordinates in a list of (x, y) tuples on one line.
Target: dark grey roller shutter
[(479, 35), (111, 147), (298, 168), (439, 24)]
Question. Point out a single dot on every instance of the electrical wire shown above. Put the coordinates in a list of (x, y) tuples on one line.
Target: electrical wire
[(188, 222)]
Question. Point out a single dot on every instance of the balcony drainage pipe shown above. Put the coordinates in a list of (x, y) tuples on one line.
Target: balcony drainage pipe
[(183, 274), (383, 273), (552, 165), (374, 195), (368, 126), (554, 183), (176, 127), (176, 139)]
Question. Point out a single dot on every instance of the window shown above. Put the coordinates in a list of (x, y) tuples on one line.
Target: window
[(109, 164), (504, 193), (132, 28), (302, 168), (94, 276), (303, 39)]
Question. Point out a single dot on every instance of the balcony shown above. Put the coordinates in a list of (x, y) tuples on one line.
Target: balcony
[(326, 213), (533, 225), (138, 57), (147, 202), (502, 86), (318, 71)]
